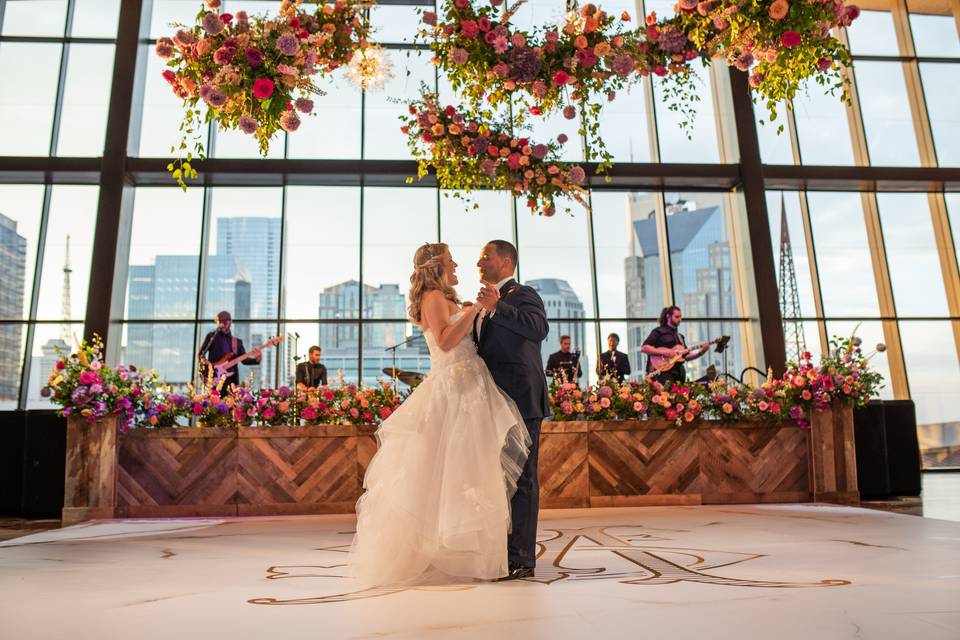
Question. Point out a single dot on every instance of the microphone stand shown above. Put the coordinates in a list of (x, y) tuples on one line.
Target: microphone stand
[(295, 338)]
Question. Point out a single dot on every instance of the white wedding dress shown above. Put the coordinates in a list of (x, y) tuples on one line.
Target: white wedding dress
[(437, 500)]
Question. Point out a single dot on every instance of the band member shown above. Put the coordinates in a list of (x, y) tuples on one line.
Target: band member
[(613, 363), (311, 373), (564, 365), (667, 341), (222, 343)]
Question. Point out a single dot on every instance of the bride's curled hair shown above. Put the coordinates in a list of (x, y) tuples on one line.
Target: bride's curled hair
[(428, 276)]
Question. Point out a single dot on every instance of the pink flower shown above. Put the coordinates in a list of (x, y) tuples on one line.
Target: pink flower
[(587, 58), (622, 65), (247, 124), (216, 97), (164, 47), (539, 88), (850, 13), (562, 138), (469, 28), (169, 76), (263, 88), (518, 40), (744, 61), (778, 9), (569, 112), (459, 56), (304, 105), (540, 151), (577, 174), (499, 44), (501, 69), (226, 18), (430, 18), (824, 64), (213, 4), (224, 55), (289, 121), (483, 23), (561, 77), (186, 38), (755, 80), (385, 413), (488, 167), (212, 24), (461, 4), (513, 161), (790, 39), (355, 413)]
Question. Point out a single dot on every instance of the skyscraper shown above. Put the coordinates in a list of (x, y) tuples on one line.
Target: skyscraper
[(340, 341), (564, 308), (13, 268), (255, 242), (168, 289), (701, 276)]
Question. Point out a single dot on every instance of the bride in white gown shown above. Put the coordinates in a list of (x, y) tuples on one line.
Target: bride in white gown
[(437, 501)]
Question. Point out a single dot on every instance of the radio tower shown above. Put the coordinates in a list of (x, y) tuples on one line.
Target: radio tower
[(789, 296), (65, 308)]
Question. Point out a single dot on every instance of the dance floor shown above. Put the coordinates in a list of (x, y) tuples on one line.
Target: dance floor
[(777, 571)]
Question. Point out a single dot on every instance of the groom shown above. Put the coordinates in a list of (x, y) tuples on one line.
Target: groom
[(508, 332)]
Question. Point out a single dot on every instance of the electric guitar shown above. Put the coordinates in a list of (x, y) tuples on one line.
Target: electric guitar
[(222, 366), (660, 364)]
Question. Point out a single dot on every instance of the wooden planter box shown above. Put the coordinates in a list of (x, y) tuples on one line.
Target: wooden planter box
[(319, 469)]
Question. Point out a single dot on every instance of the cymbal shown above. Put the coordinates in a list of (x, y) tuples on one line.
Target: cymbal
[(411, 378), (393, 372)]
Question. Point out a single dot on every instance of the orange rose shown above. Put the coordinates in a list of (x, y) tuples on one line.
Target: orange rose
[(580, 42)]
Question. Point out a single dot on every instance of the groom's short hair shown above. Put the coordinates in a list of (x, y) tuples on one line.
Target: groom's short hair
[(505, 250)]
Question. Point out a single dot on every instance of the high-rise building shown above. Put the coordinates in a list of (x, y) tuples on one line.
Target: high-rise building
[(255, 242), (167, 289), (702, 278), (13, 268), (340, 341), (565, 313)]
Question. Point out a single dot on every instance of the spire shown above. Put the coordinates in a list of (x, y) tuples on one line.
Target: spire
[(789, 295), (66, 312)]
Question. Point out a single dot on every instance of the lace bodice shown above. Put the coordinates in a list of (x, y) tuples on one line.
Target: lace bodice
[(439, 358)]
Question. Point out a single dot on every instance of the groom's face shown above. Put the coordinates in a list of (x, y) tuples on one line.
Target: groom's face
[(491, 265)]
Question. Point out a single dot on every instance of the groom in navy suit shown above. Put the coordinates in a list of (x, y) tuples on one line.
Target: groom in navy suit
[(508, 333)]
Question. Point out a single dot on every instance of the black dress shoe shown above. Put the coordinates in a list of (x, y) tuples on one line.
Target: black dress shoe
[(517, 573)]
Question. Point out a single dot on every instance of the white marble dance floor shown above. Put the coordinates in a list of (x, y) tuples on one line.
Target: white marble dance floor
[(782, 572)]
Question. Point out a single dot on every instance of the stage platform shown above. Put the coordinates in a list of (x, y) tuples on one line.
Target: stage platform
[(744, 571)]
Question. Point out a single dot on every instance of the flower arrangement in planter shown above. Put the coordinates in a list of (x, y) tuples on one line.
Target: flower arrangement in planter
[(468, 153), (255, 74), (84, 386), (843, 375)]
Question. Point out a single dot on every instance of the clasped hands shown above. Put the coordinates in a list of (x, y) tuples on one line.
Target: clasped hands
[(488, 297)]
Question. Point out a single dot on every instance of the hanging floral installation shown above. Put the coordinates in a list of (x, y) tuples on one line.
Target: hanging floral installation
[(482, 154), (576, 67), (255, 74)]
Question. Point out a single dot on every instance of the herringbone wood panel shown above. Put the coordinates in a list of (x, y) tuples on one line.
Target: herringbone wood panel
[(177, 471), (562, 470), (772, 460), (298, 470), (644, 462)]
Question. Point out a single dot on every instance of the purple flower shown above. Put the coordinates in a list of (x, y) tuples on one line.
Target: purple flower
[(673, 40), (488, 166), (212, 24), (216, 98), (205, 92), (569, 112), (622, 65), (562, 138), (224, 55), (577, 174), (304, 105), (165, 47), (247, 124), (254, 57), (525, 64), (289, 121), (288, 44), (481, 143)]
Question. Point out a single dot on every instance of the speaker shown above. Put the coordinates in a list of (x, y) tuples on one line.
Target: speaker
[(11, 461), (903, 447), (869, 426), (44, 465)]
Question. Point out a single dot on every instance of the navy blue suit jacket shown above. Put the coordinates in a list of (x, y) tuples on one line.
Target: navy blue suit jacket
[(509, 343)]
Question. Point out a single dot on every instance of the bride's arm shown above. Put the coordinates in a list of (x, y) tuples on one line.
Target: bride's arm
[(435, 310)]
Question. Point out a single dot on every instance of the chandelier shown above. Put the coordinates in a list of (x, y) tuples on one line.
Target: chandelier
[(370, 68)]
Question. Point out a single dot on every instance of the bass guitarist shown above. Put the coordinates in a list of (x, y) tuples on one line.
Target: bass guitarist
[(666, 341), (220, 346)]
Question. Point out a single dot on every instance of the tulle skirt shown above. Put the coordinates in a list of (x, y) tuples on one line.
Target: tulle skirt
[(436, 506)]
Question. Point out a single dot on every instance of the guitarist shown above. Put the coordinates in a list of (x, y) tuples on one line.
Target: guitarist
[(221, 345), (667, 341)]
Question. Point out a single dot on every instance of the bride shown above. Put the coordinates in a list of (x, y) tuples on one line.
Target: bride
[(436, 506)]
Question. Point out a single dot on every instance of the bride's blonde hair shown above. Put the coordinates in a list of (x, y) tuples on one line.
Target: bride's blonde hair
[(427, 276)]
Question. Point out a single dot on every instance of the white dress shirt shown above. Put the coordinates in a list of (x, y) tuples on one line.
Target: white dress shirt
[(483, 312)]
